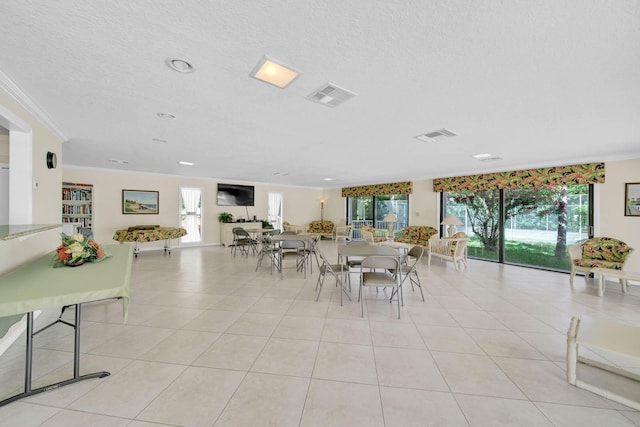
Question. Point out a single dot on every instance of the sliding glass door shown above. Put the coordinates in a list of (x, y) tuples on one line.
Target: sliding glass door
[(479, 212), (528, 226), (371, 210)]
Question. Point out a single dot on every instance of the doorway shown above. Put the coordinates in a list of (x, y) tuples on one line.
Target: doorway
[(274, 214), (191, 214)]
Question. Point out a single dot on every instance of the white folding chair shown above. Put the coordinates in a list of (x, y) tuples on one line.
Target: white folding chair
[(388, 277), (268, 249), (292, 249), (338, 271)]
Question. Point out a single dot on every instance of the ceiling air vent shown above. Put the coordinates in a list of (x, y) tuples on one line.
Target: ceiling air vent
[(436, 136), (330, 95)]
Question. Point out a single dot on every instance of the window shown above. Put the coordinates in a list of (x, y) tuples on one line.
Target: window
[(526, 226), (371, 210)]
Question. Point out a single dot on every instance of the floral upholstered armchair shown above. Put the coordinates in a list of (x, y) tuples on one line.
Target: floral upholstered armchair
[(324, 228), (602, 252), (416, 235), (379, 234)]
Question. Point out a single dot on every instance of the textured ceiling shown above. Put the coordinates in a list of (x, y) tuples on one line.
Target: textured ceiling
[(537, 83)]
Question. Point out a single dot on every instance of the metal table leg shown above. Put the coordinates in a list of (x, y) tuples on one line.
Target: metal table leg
[(28, 391)]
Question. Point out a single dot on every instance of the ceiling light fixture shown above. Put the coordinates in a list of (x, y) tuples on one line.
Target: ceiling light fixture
[(436, 135), (328, 179), (119, 161), (269, 71), (180, 65), (481, 156), (167, 116), (182, 162)]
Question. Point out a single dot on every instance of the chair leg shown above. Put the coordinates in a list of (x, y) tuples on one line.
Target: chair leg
[(418, 284), (281, 263), (260, 256), (319, 283)]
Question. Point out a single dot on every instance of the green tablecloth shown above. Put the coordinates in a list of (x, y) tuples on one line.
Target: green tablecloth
[(37, 285)]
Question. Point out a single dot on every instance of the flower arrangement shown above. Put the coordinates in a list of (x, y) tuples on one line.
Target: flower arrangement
[(76, 250)]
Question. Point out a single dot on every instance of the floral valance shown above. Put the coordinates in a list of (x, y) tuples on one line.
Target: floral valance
[(378, 189), (590, 173)]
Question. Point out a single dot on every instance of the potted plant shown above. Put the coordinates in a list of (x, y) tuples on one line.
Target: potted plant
[(266, 224), (225, 217)]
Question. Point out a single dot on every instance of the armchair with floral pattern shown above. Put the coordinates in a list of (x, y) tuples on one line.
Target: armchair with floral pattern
[(602, 252), (324, 228), (416, 235)]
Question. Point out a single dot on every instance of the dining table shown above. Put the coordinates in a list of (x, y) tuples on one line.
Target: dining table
[(37, 285), (304, 237), (256, 232), (367, 250)]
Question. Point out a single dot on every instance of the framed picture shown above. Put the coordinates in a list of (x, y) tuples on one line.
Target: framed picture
[(140, 202), (632, 199)]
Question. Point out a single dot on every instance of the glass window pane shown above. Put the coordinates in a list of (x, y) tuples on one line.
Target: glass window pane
[(369, 210), (479, 212), (361, 212), (541, 223)]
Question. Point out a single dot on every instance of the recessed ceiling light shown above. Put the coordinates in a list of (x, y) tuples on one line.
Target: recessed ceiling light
[(119, 161), (181, 162), (180, 65), (159, 141), (328, 179), (269, 71), (481, 156), (167, 116)]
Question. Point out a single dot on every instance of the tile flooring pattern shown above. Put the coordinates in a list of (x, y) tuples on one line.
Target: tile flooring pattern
[(211, 342)]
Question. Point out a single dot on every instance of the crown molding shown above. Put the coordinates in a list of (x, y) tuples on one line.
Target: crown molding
[(18, 95)]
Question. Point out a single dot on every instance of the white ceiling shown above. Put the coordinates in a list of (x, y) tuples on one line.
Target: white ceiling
[(535, 82)]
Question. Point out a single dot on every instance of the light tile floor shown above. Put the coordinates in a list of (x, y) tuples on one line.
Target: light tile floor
[(212, 342)]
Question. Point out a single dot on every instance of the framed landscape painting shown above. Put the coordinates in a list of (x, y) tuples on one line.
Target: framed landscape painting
[(632, 199), (140, 202)]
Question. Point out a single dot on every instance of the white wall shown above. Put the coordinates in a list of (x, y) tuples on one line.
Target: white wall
[(423, 204), (46, 203), (300, 204), (610, 215)]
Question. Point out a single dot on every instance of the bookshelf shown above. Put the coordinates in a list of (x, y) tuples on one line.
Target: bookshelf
[(77, 205)]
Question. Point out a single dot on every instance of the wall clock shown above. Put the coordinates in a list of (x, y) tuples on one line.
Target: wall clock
[(52, 160)]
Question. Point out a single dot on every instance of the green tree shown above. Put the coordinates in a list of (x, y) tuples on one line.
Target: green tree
[(483, 209)]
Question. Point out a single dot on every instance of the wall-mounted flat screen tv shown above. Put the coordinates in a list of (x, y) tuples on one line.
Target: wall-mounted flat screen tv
[(235, 195)]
